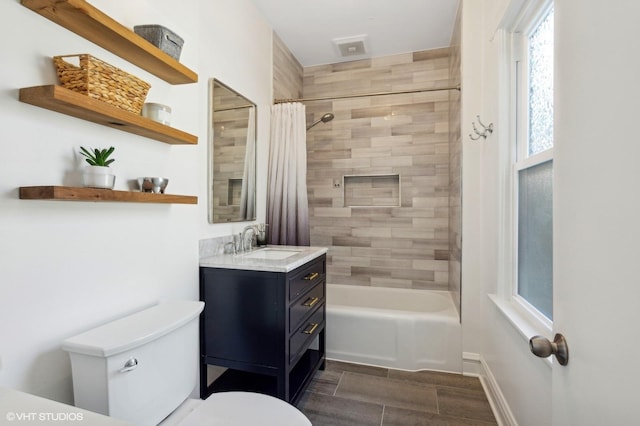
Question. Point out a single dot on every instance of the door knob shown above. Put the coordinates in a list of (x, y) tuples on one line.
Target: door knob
[(542, 347)]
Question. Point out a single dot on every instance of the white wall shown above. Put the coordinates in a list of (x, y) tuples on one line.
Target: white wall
[(236, 49), (595, 211), (68, 266), (523, 380), (472, 55)]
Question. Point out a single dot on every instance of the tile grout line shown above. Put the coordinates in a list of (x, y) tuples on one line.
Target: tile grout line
[(339, 381), (382, 417)]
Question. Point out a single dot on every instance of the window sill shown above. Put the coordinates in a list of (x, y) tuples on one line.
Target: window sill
[(525, 326)]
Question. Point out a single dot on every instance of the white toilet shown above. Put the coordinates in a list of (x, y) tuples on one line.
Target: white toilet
[(142, 369)]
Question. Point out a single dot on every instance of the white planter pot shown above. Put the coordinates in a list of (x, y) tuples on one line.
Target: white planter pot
[(98, 177)]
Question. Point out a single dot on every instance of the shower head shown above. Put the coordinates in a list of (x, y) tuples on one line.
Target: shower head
[(325, 119)]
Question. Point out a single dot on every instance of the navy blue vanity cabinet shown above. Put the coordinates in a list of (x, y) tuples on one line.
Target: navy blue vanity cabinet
[(266, 328)]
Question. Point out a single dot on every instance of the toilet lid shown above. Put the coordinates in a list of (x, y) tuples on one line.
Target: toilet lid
[(244, 409)]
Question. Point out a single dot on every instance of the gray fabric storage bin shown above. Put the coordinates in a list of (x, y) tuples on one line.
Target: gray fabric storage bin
[(161, 37)]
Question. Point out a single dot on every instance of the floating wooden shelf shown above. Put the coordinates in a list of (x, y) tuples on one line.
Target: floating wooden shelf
[(68, 193), (92, 24), (65, 101)]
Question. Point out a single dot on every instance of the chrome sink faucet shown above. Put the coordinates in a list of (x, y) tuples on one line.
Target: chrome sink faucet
[(243, 238)]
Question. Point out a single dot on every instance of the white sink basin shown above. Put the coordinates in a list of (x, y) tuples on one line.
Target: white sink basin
[(271, 254)]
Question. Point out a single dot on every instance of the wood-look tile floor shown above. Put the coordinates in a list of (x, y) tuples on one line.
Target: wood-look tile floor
[(350, 394)]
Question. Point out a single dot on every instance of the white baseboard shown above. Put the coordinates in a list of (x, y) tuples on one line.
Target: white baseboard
[(474, 365), (471, 365)]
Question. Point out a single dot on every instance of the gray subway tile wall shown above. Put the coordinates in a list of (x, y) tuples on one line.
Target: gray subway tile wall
[(407, 135), (390, 152)]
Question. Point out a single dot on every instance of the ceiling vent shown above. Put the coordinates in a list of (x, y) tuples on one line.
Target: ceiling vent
[(351, 46)]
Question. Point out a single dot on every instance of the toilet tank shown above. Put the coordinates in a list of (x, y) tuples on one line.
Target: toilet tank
[(138, 368)]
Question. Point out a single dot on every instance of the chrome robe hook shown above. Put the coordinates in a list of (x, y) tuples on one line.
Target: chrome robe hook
[(486, 130)]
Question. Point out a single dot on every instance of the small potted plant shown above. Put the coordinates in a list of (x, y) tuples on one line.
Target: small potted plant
[(97, 174)]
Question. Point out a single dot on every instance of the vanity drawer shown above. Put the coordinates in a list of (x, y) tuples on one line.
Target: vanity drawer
[(307, 277), (300, 308), (305, 333)]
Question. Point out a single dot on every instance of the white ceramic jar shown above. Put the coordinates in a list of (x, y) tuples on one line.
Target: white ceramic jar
[(157, 112)]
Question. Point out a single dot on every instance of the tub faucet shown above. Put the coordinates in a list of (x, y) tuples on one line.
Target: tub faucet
[(244, 237)]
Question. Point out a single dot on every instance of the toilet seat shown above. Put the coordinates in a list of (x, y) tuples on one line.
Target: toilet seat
[(243, 409)]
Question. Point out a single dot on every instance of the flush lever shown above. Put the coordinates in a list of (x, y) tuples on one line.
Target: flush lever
[(542, 347), (131, 364)]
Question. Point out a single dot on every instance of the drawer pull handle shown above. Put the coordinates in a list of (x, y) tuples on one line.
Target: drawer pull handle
[(310, 328), (311, 301), (311, 276)]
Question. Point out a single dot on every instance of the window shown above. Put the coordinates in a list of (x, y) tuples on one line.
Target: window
[(532, 176)]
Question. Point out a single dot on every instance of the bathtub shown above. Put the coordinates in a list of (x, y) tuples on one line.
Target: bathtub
[(394, 328)]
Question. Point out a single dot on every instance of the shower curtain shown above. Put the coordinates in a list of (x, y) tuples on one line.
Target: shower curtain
[(287, 205), (248, 193)]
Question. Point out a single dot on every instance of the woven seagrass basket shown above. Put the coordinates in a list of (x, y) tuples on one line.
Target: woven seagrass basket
[(100, 80)]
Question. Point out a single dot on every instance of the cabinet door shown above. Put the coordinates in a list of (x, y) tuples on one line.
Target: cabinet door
[(244, 315)]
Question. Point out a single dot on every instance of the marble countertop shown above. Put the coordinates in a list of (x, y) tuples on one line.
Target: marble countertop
[(242, 261)]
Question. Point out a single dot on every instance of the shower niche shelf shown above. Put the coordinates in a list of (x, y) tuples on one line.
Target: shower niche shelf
[(372, 190), (234, 192)]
